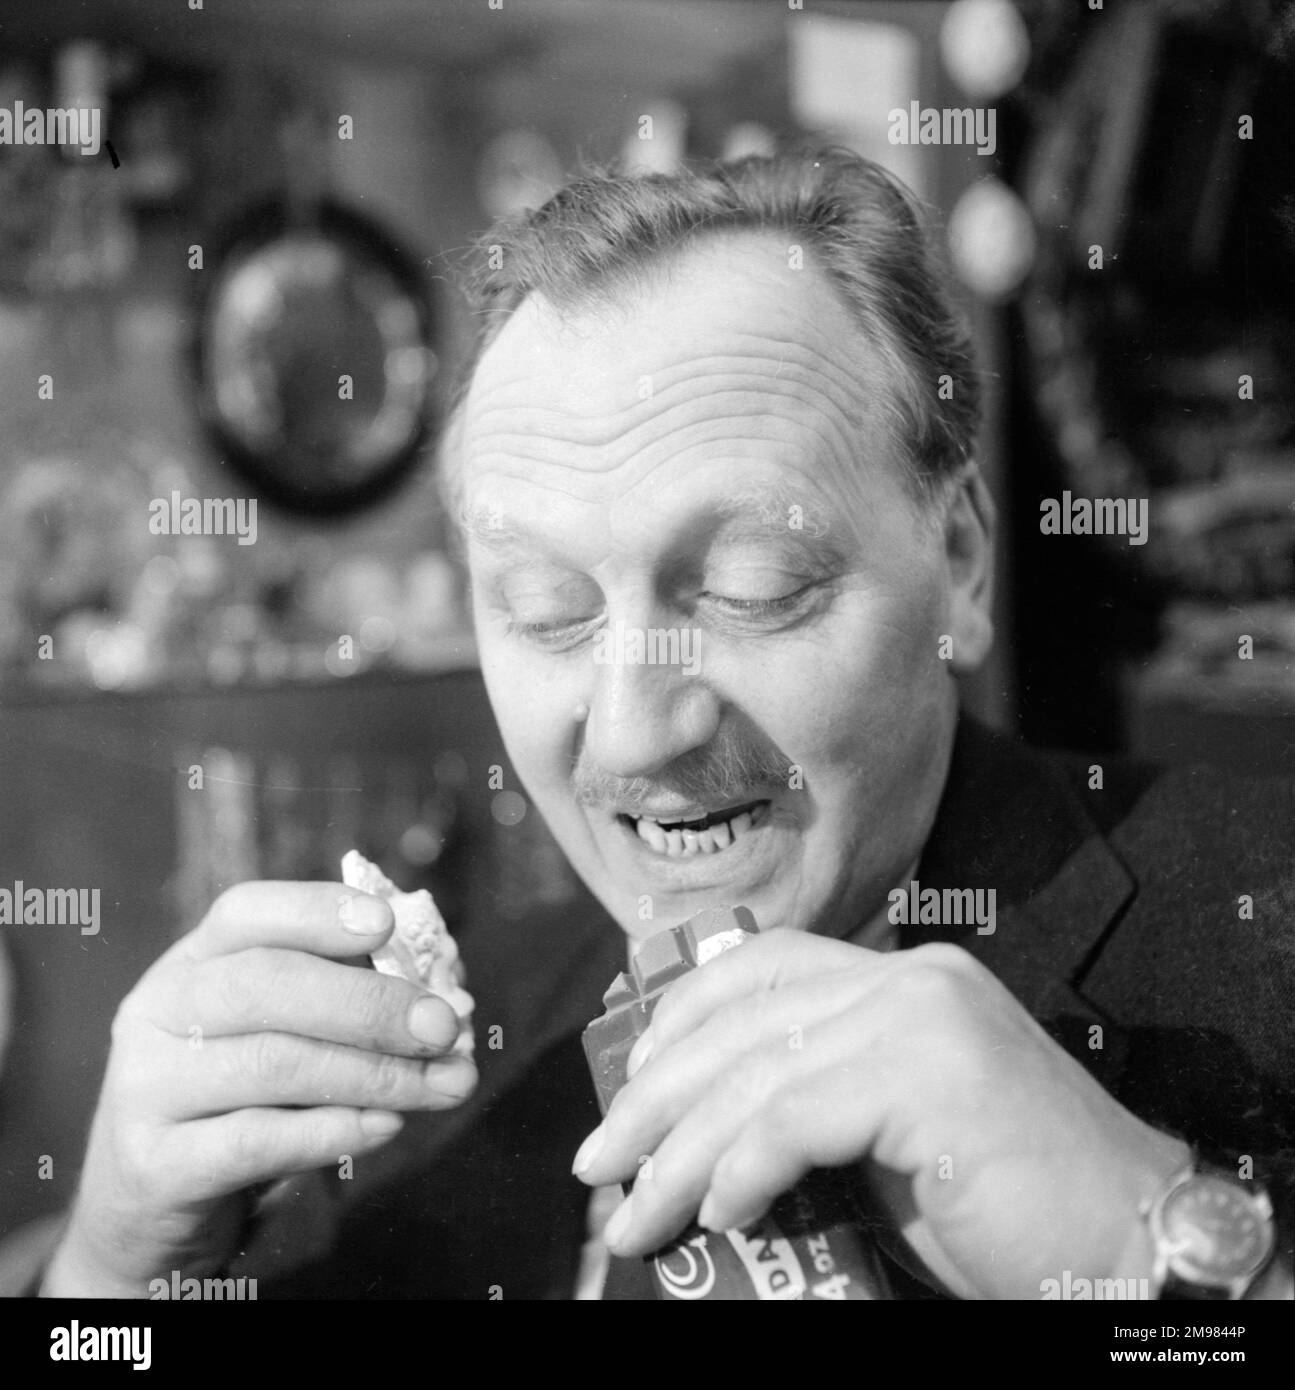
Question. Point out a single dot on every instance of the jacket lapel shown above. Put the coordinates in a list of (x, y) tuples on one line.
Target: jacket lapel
[(1011, 821)]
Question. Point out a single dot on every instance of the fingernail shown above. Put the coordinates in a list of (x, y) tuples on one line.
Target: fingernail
[(706, 1216), (431, 1021), (619, 1223), (588, 1151), (639, 1053), (379, 1123), (362, 915)]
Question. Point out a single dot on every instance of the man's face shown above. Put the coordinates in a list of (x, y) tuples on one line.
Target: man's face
[(687, 518)]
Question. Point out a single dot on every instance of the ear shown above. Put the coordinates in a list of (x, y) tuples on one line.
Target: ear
[(969, 522)]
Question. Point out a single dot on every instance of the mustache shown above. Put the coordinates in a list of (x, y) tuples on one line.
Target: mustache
[(727, 771)]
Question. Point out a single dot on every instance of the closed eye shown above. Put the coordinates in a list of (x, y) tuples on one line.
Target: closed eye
[(563, 633), (761, 607), (756, 606)]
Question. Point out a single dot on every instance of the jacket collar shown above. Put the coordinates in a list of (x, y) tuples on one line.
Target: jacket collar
[(1011, 820)]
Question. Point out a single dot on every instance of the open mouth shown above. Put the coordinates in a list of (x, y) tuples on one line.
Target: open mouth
[(711, 834)]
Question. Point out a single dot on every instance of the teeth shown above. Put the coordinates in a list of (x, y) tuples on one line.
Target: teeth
[(684, 844), (652, 833)]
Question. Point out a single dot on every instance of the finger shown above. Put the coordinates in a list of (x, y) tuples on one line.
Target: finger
[(798, 1129), (673, 1181), (767, 962), (227, 1074), (788, 1020), (231, 1152), (326, 919), (268, 989)]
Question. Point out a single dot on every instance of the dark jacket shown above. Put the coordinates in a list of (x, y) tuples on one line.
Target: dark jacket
[(1119, 907)]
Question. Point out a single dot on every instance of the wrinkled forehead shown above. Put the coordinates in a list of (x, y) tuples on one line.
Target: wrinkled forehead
[(724, 297), (734, 345)]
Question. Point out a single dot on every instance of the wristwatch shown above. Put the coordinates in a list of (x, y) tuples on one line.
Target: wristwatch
[(1213, 1235)]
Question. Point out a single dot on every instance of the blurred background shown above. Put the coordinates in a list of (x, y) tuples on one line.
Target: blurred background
[(247, 291)]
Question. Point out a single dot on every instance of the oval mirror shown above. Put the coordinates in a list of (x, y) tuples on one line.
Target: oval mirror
[(313, 357)]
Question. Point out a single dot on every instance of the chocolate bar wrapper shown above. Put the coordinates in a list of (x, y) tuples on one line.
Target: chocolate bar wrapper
[(812, 1243)]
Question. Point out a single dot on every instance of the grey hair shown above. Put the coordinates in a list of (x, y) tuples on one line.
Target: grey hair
[(605, 230)]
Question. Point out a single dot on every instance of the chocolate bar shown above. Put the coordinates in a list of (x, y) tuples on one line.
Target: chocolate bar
[(813, 1243), (632, 996)]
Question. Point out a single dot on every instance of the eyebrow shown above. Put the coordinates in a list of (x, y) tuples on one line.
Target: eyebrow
[(482, 525), (761, 509), (752, 513)]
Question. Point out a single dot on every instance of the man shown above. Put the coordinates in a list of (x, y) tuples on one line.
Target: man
[(728, 546)]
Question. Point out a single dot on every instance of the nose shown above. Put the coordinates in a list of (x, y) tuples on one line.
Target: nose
[(643, 716)]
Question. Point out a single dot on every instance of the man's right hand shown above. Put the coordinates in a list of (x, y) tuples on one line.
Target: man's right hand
[(251, 1050)]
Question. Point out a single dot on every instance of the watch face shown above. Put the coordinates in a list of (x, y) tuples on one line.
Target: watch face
[(1218, 1231)]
